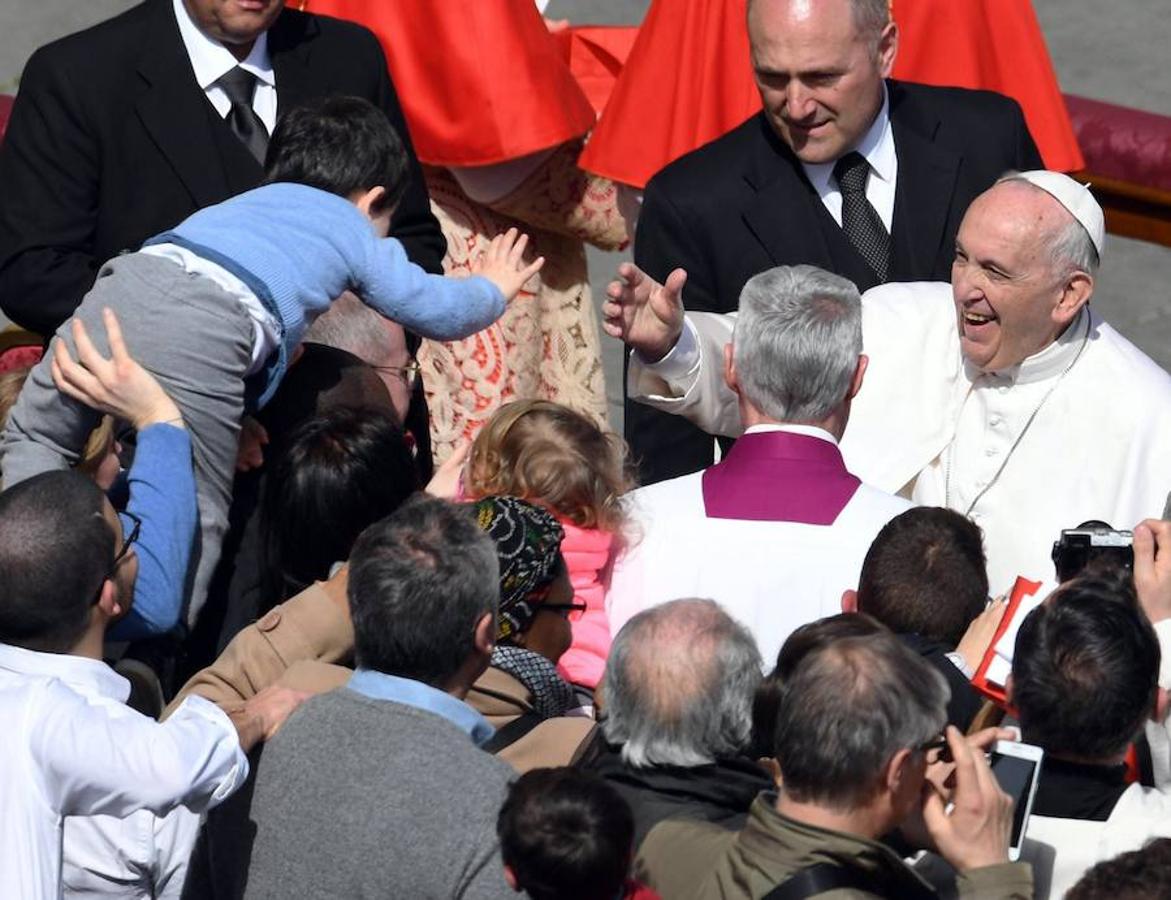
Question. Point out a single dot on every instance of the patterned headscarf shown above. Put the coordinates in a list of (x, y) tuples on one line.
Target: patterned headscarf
[(528, 545)]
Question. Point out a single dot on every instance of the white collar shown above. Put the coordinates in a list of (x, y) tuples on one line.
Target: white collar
[(85, 675), (877, 146), (1049, 362), (807, 430), (211, 60)]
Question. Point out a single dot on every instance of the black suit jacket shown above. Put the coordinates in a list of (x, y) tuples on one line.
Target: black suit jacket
[(742, 204), (112, 141)]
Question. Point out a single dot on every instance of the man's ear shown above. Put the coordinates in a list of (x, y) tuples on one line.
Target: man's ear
[(888, 48), (1075, 294), (108, 601), (859, 374), (485, 634), (1008, 686), (367, 201), (1162, 700), (896, 770), (510, 877), (730, 369), (849, 601)]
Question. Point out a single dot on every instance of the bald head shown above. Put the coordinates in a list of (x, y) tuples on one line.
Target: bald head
[(679, 683), (819, 67), (869, 17)]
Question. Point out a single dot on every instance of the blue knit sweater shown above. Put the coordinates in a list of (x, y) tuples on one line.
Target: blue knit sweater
[(297, 248)]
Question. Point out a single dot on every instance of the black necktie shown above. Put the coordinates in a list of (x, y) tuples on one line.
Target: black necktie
[(240, 85), (860, 221)]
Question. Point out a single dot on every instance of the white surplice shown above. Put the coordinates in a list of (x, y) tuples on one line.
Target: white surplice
[(771, 576), (1098, 446)]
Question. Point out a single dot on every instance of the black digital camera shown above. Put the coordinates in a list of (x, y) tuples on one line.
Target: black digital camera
[(1093, 543)]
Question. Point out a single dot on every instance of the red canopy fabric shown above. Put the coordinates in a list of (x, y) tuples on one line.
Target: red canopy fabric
[(992, 44), (688, 78), (480, 82), (596, 55)]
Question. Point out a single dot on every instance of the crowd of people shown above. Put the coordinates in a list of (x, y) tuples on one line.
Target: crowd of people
[(322, 575)]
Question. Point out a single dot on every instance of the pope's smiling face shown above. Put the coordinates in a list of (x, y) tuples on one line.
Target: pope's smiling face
[(1011, 299)]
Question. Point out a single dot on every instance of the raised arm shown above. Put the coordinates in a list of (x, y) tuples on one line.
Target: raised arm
[(162, 481), (445, 308), (675, 363)]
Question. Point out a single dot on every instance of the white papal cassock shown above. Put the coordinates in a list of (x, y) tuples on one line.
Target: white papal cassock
[(774, 533), (1079, 431)]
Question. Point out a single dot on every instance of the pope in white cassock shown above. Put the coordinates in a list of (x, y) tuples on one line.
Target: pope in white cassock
[(1013, 404)]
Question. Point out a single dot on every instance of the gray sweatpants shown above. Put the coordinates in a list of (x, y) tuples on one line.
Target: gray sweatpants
[(196, 339)]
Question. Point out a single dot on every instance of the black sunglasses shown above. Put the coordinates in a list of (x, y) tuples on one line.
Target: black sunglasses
[(127, 543), (938, 743), (564, 608)]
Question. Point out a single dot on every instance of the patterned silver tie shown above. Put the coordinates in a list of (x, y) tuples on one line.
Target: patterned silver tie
[(860, 220)]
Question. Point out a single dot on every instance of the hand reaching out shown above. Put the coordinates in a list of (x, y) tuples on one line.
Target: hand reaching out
[(503, 263), (643, 313), (118, 385)]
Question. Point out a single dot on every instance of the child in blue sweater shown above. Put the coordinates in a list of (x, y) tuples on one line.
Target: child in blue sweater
[(215, 307)]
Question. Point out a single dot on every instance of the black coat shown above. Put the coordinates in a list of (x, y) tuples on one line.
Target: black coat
[(112, 141), (720, 792), (742, 204)]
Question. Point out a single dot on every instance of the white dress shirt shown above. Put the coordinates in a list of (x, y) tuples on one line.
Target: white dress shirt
[(72, 747), (878, 148), (211, 60)]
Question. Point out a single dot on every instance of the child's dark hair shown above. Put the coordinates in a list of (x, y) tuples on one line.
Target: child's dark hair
[(342, 145), (566, 834)]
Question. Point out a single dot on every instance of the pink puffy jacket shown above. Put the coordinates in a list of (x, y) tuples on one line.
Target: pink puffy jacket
[(587, 553)]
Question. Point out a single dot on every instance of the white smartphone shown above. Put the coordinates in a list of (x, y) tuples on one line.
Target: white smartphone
[(1017, 768)]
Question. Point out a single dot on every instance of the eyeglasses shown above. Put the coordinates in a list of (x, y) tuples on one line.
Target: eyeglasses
[(564, 608), (127, 542), (408, 373), (939, 746)]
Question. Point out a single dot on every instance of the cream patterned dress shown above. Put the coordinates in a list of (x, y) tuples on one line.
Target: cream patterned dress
[(546, 344)]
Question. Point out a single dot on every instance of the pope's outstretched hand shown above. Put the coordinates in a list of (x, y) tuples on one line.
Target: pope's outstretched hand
[(645, 314)]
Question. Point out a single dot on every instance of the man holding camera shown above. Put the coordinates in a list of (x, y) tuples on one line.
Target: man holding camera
[(858, 741), (1085, 682), (1013, 404)]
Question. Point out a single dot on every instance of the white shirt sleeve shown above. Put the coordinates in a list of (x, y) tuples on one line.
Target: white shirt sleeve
[(109, 759), (689, 381)]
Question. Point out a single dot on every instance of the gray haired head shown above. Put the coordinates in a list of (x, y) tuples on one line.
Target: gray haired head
[(351, 325), (797, 341), (847, 710), (679, 685)]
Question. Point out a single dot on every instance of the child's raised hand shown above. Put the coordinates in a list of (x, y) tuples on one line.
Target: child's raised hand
[(118, 385), (503, 263)]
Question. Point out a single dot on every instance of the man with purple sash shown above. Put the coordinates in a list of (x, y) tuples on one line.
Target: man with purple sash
[(778, 529)]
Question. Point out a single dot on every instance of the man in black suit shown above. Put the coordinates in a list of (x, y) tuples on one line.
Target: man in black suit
[(843, 169), (114, 139)]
